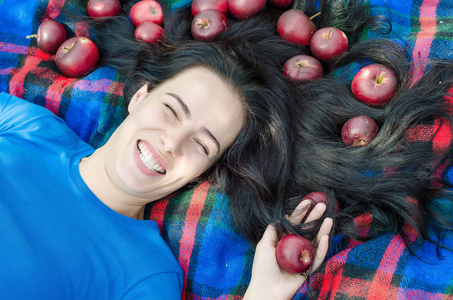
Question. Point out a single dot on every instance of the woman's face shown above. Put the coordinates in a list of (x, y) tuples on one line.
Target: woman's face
[(173, 134)]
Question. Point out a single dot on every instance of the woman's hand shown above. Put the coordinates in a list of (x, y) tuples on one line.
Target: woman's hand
[(269, 281)]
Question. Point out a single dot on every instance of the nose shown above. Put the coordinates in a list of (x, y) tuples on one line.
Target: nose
[(172, 143)]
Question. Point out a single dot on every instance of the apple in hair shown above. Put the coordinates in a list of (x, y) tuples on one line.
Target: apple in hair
[(303, 68), (328, 42), (319, 197), (199, 5), (77, 57), (281, 3), (51, 34), (245, 9), (146, 11), (375, 85), (207, 24), (103, 8), (294, 253), (359, 131), (296, 27), (149, 33)]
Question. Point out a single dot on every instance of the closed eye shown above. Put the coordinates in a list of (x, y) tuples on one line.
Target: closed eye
[(172, 111), (205, 149)]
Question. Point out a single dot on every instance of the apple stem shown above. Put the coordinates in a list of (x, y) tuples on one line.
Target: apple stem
[(31, 36), (70, 47), (315, 15), (380, 78), (328, 34), (202, 22)]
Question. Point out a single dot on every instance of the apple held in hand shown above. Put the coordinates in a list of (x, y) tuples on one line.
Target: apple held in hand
[(303, 68), (294, 254), (319, 197), (359, 131), (245, 9), (149, 33), (77, 57), (281, 3), (103, 8), (146, 11), (51, 34), (199, 5), (328, 42), (296, 27), (207, 24), (375, 85)]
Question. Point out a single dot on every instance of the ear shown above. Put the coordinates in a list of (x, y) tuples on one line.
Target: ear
[(138, 97)]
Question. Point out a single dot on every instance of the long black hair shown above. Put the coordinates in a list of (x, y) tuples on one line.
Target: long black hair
[(396, 178)]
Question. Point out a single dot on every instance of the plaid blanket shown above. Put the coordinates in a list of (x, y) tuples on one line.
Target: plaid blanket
[(197, 225)]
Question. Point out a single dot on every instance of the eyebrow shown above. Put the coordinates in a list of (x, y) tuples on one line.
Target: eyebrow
[(186, 111), (183, 105)]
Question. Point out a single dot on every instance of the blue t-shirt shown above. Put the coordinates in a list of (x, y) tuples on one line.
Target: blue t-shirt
[(57, 239)]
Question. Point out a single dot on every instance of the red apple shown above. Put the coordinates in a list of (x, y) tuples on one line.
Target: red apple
[(77, 57), (149, 32), (294, 254), (281, 3), (103, 8), (50, 36), (207, 24), (296, 27), (375, 85), (302, 68), (245, 9), (319, 197), (146, 11), (328, 42), (199, 5), (359, 131)]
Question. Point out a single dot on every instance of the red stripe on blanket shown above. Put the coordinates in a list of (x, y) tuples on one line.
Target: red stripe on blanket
[(55, 91), (16, 84), (333, 275), (12, 48), (424, 39), (158, 211), (442, 138), (187, 241), (33, 51), (53, 9), (363, 224), (380, 287)]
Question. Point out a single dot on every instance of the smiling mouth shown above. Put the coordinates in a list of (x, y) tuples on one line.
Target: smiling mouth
[(148, 159)]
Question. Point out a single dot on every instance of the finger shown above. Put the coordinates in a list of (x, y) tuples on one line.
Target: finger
[(317, 212), (269, 235), (325, 229), (321, 252), (300, 212)]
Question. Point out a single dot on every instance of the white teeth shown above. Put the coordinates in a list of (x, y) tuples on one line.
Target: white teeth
[(148, 160)]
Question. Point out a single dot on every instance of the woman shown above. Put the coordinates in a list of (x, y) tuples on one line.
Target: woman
[(199, 108)]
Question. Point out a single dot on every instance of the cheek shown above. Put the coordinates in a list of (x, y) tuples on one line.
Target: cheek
[(193, 166), (151, 115)]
